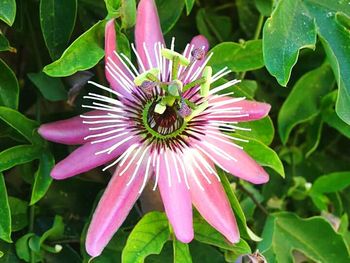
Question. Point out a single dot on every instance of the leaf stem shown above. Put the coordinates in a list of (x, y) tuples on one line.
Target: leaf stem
[(251, 196)]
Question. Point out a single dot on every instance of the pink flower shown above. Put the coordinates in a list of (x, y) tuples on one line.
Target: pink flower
[(163, 126)]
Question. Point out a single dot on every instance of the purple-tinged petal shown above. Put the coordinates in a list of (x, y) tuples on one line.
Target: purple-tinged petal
[(71, 131), (210, 198), (147, 31), (250, 110), (84, 158), (176, 197), (232, 159), (114, 206), (115, 70)]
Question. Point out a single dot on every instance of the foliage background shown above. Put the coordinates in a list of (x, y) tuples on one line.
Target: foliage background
[(293, 54)]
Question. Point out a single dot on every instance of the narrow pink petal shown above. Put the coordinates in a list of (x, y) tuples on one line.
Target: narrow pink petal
[(71, 131), (176, 198), (211, 201), (240, 164), (251, 110), (147, 31), (114, 206), (84, 158), (112, 62)]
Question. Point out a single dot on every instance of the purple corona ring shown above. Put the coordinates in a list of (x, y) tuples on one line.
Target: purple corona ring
[(164, 124)]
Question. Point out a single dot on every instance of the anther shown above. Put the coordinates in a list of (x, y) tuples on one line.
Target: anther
[(197, 111), (184, 110), (198, 53), (146, 76), (207, 73), (170, 54)]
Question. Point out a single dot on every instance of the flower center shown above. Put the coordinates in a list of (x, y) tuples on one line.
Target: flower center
[(167, 122)]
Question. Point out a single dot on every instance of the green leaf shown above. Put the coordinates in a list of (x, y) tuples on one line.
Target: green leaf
[(8, 11), (216, 28), (189, 5), (286, 32), (5, 213), (148, 237), (22, 247), (122, 42), (84, 53), (42, 178), (294, 25), (19, 213), (237, 57), (181, 252), (9, 88), (55, 232), (18, 155), (208, 235), (328, 183), (128, 13), (4, 43), (330, 117), (20, 123), (304, 101), (261, 130), (169, 12), (264, 6), (261, 153), (314, 237), (51, 88), (57, 20), (313, 135), (248, 16)]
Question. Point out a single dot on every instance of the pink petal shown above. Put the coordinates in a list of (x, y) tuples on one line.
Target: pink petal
[(115, 66), (240, 164), (71, 131), (211, 200), (147, 31), (252, 110), (114, 206), (176, 197), (84, 158)]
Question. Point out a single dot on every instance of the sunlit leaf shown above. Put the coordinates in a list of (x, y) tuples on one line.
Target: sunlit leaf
[(8, 11), (85, 52), (315, 237), (148, 237)]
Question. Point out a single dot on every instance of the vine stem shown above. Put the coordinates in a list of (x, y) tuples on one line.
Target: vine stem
[(251, 196), (255, 37)]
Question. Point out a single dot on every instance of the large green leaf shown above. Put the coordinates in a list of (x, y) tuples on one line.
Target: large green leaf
[(181, 252), (42, 178), (51, 88), (169, 12), (238, 57), (57, 20), (9, 88), (189, 6), (294, 25), (148, 237), (328, 183), (8, 11), (5, 214), (84, 53), (20, 123), (304, 101), (315, 237)]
